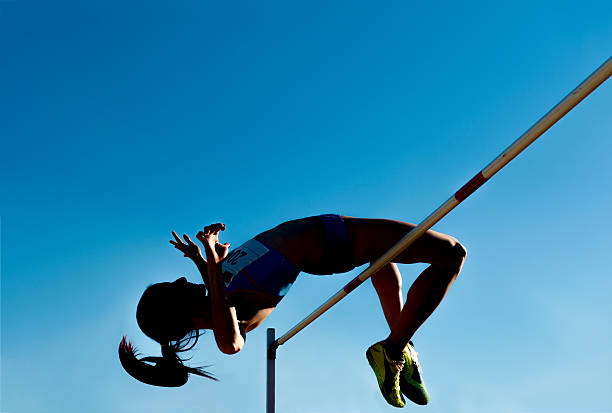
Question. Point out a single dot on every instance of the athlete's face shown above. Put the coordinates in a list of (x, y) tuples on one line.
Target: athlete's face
[(196, 298)]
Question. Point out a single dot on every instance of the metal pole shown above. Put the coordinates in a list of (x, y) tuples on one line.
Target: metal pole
[(270, 376), (526, 139)]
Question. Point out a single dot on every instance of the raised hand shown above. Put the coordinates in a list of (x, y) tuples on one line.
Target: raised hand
[(209, 237), (188, 248)]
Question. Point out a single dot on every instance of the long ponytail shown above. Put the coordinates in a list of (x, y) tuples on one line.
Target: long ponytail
[(165, 371), (164, 313)]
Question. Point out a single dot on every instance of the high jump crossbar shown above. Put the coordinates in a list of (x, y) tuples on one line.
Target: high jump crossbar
[(534, 132)]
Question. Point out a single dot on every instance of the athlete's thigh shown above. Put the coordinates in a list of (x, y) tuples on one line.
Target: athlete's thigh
[(373, 237)]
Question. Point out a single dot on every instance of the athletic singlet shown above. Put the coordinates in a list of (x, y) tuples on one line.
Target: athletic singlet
[(254, 266)]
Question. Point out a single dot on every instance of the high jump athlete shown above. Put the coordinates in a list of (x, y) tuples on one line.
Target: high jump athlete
[(242, 287)]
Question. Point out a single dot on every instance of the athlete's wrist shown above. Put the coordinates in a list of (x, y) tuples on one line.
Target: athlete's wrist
[(198, 260)]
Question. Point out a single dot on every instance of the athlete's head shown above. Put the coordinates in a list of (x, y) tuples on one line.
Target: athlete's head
[(166, 313), (166, 310)]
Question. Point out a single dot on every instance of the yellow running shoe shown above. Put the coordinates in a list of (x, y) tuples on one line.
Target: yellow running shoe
[(387, 373), (411, 380)]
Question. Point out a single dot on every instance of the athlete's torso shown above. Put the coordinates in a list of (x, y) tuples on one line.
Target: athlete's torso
[(299, 241)]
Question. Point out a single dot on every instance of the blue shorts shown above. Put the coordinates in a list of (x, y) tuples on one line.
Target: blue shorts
[(338, 256)]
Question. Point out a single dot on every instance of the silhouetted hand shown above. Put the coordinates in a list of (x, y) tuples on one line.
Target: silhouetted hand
[(209, 237), (188, 248)]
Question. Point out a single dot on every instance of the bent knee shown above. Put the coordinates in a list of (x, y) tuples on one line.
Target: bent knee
[(454, 255), (460, 250)]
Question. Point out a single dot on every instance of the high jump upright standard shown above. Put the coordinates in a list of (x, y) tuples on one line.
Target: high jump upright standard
[(561, 109)]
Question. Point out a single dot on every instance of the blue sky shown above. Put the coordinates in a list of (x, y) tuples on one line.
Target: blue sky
[(122, 121)]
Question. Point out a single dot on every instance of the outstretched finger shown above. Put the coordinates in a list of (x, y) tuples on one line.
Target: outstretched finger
[(176, 237), (178, 245), (187, 239)]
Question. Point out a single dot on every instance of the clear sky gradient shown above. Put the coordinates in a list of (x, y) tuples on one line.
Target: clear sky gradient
[(122, 121)]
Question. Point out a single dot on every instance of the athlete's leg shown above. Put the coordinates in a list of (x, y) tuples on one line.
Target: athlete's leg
[(373, 237), (388, 284), (423, 297)]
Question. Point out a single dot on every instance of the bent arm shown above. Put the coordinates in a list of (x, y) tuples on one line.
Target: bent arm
[(228, 333), (203, 269)]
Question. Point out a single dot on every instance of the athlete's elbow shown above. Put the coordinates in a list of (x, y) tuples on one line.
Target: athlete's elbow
[(231, 347)]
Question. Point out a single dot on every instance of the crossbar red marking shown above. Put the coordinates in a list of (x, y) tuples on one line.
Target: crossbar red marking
[(352, 285), (469, 188)]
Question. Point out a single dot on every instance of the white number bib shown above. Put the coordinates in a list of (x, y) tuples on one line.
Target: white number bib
[(242, 256)]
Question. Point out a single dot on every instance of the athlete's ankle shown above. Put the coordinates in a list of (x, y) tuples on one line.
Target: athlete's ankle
[(394, 350)]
